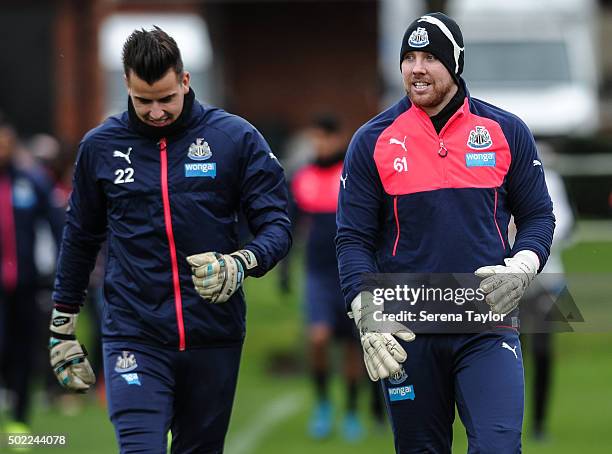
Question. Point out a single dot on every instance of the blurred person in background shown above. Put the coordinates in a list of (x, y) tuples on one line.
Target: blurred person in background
[(428, 186), (540, 299), (47, 155), (315, 189), (56, 159), (163, 183), (25, 199)]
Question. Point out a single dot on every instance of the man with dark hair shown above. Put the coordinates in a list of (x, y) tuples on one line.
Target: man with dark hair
[(150, 53), (428, 187), (163, 183)]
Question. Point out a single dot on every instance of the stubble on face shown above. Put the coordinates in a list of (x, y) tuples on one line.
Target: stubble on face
[(437, 97), (429, 87)]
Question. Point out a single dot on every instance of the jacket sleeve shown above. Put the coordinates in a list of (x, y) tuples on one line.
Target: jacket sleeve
[(264, 201), (84, 231), (528, 197), (357, 218)]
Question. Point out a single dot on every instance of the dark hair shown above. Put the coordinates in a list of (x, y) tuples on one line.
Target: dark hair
[(4, 121), (327, 122), (150, 54)]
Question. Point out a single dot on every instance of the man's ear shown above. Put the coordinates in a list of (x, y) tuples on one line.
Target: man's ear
[(185, 81), (127, 83)]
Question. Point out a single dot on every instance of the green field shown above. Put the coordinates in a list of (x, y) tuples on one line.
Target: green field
[(274, 398)]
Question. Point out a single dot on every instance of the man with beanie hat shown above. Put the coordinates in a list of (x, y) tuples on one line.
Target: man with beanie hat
[(428, 186)]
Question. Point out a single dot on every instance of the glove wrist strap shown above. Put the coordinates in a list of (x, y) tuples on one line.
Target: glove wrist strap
[(60, 336), (63, 324), (247, 259)]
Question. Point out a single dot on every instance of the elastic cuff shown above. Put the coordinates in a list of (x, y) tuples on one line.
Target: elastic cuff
[(247, 259), (61, 336), (530, 257), (67, 308)]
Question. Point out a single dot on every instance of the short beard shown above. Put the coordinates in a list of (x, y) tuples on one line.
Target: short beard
[(439, 96)]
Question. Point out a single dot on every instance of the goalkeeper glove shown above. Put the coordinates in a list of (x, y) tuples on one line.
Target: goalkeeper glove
[(382, 353), (505, 285), (216, 277), (68, 357)]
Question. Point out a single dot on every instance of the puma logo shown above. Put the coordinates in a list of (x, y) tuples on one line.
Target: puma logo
[(513, 350), (394, 141), (126, 156), (343, 180)]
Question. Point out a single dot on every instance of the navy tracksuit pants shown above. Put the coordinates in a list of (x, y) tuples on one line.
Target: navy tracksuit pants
[(481, 373), (151, 390), (18, 346)]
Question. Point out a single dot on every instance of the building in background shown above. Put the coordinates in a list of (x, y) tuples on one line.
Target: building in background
[(277, 62)]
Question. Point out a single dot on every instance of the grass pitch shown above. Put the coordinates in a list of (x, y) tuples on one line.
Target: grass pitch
[(274, 397)]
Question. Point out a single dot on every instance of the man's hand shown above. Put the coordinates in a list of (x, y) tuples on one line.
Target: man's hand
[(68, 357), (505, 285), (382, 353), (217, 276)]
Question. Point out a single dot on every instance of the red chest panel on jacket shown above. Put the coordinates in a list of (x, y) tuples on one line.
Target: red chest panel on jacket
[(408, 153), (316, 189)]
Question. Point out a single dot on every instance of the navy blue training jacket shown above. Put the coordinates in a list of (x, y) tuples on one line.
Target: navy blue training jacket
[(157, 202), (415, 201)]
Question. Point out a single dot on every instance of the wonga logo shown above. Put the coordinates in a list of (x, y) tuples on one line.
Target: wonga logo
[(401, 393), (207, 169), (480, 159), (132, 379)]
